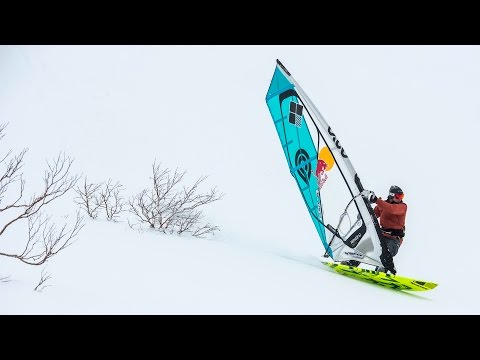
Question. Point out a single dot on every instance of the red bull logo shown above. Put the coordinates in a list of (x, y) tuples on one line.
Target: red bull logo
[(325, 163), (321, 167)]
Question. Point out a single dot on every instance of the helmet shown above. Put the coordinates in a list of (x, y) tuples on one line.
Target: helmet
[(394, 189)]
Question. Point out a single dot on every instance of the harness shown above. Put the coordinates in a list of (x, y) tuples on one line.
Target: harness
[(396, 234)]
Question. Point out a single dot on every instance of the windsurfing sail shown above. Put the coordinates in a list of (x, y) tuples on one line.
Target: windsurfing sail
[(324, 174)]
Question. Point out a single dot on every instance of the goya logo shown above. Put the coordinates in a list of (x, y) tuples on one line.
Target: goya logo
[(295, 114), (353, 254), (303, 165), (337, 143)]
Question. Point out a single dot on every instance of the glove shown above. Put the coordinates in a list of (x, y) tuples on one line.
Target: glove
[(372, 197)]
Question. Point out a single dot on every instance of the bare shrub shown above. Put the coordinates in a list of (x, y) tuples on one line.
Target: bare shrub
[(105, 195), (44, 240), (166, 208), (110, 199), (88, 199)]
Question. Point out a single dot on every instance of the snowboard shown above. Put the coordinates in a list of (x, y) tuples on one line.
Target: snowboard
[(391, 281)]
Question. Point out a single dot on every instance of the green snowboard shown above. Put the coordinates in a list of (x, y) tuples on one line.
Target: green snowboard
[(391, 281)]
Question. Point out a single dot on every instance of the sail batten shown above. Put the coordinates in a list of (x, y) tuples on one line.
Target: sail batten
[(323, 172)]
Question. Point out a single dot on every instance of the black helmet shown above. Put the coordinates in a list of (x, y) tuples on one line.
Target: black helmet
[(394, 189)]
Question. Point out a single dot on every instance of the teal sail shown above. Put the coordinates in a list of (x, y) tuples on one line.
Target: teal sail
[(328, 183), (297, 143)]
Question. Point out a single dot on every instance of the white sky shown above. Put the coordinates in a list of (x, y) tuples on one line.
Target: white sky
[(406, 115)]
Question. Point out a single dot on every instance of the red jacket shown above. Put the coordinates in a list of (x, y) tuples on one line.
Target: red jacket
[(392, 215)]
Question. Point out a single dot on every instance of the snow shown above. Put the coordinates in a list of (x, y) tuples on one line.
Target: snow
[(406, 115)]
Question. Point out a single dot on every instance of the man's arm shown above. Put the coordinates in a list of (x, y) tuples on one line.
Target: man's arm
[(395, 209)]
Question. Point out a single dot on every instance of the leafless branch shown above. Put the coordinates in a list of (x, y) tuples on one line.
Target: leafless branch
[(153, 206), (111, 200), (135, 226), (186, 221), (45, 240), (142, 207), (167, 209), (57, 182), (87, 198), (43, 279), (205, 229), (11, 175), (2, 127), (5, 279)]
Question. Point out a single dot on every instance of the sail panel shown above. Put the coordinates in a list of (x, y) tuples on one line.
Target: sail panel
[(297, 143), (330, 187)]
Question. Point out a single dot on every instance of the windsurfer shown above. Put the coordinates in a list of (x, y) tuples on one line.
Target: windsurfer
[(391, 214)]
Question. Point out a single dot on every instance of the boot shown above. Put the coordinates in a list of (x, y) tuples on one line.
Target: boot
[(387, 261), (353, 263)]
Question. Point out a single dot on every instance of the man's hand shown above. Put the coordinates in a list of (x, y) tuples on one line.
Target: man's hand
[(370, 196)]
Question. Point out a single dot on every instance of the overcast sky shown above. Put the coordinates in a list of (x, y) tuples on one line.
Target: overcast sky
[(406, 115)]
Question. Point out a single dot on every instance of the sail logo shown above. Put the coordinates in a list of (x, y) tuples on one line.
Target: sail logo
[(320, 173), (356, 237), (303, 165), (295, 114), (325, 163), (354, 254), (337, 143)]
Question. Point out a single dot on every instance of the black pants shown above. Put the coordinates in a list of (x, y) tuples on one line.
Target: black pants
[(392, 245)]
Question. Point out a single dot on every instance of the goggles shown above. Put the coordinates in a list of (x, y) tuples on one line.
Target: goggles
[(397, 196)]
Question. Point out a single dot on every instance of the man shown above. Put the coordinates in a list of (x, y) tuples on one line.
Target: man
[(391, 214)]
